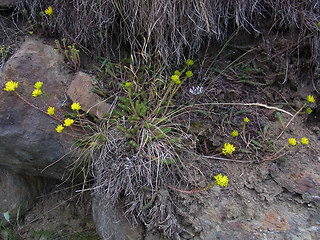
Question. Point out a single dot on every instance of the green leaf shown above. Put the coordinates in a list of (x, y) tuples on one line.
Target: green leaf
[(6, 216), (148, 205), (18, 213), (240, 112), (280, 119), (256, 143), (169, 161), (265, 129), (244, 151), (133, 144)]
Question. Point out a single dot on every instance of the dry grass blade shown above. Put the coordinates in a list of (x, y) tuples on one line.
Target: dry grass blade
[(170, 27)]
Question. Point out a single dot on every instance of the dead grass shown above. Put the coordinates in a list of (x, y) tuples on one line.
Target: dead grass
[(167, 28)]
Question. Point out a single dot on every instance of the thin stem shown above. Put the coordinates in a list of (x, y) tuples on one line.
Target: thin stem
[(293, 117), (81, 122), (30, 104), (72, 39)]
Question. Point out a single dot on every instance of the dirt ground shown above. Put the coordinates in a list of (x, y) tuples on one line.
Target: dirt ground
[(59, 214)]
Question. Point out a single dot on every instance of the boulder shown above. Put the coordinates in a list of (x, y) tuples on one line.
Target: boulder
[(29, 143), (110, 223), (18, 193), (80, 90)]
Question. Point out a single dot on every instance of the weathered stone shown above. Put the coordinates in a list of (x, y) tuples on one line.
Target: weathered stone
[(274, 222), (29, 142), (80, 90), (305, 182), (110, 223), (18, 192)]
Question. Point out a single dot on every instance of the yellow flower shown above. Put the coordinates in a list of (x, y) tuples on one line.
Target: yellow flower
[(38, 85), (304, 141), (189, 74), (309, 110), (11, 86), (189, 62), (246, 120), (175, 79), (59, 128), (292, 141), (50, 110), (49, 11), (68, 122), (36, 93), (75, 106), (228, 148), (176, 72), (222, 180), (310, 98), (127, 84), (234, 133)]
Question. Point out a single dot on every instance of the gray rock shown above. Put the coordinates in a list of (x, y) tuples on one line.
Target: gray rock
[(18, 193), (29, 142), (110, 223)]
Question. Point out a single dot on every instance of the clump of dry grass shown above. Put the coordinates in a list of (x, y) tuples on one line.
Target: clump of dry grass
[(137, 181), (168, 27)]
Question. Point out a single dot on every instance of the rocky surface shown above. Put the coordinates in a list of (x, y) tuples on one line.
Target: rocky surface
[(80, 90), (272, 200), (111, 224), (31, 151), (18, 193), (29, 142)]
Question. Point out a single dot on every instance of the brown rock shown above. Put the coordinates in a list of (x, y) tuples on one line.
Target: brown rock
[(274, 222), (80, 91), (305, 182)]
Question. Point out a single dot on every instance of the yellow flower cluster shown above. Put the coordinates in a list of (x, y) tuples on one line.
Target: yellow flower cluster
[(189, 62), (75, 106), (222, 180), (228, 148), (50, 110), (38, 85), (310, 99), (189, 74), (304, 141), (38, 89), (292, 141), (11, 86), (234, 133), (246, 120), (176, 72), (49, 11), (68, 122), (309, 110), (59, 128), (175, 79), (36, 93)]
